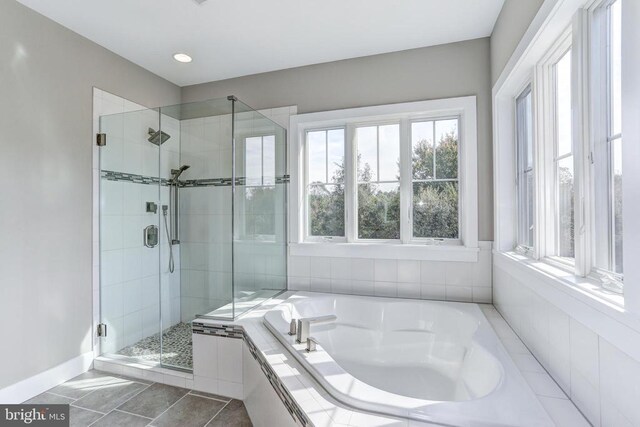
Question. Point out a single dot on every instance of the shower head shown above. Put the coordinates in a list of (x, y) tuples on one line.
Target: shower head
[(175, 173), (157, 137)]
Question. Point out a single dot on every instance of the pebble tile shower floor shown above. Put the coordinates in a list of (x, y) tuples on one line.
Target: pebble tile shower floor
[(100, 399), (177, 347)]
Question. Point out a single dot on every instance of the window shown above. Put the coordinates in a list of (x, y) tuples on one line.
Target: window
[(525, 174), (607, 139), (392, 174), (569, 149), (564, 220), (260, 160), (326, 183), (434, 173), (378, 181), (258, 219)]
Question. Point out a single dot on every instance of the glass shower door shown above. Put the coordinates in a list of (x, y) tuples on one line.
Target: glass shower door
[(130, 235)]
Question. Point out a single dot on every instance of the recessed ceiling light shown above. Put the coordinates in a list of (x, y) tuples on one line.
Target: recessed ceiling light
[(182, 57)]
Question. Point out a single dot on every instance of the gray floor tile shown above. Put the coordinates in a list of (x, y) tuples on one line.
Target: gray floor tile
[(120, 419), (48, 399), (154, 400), (110, 396), (211, 395), (233, 415), (190, 411), (84, 384), (82, 417)]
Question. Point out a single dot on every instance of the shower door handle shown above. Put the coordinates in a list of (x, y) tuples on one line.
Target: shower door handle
[(150, 235)]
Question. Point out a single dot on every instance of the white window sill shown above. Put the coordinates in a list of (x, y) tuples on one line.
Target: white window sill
[(580, 298), (386, 251), (548, 280), (557, 276)]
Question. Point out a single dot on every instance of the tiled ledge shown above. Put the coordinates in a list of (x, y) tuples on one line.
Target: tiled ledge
[(321, 409)]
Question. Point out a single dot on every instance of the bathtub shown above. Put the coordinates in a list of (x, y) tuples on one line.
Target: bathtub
[(432, 361)]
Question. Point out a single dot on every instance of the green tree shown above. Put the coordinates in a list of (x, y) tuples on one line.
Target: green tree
[(435, 202)]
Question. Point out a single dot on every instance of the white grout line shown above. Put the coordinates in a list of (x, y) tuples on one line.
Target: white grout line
[(73, 399), (143, 389), (97, 420), (174, 403), (217, 413), (90, 410), (140, 391), (131, 413)]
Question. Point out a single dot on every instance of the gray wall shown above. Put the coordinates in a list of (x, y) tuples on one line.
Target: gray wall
[(46, 77), (455, 69), (513, 21)]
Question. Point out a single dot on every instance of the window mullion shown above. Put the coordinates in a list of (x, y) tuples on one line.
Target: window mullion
[(406, 226), (580, 93), (351, 187)]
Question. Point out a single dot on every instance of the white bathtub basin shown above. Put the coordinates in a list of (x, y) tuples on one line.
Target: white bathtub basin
[(425, 360)]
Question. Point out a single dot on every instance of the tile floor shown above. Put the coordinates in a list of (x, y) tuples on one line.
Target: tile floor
[(106, 400)]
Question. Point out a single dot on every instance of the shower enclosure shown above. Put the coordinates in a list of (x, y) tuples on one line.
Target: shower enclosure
[(192, 223)]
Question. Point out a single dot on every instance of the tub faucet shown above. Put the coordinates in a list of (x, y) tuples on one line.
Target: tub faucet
[(305, 323), (312, 344)]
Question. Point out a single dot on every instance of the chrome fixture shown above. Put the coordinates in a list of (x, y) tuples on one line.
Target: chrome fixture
[(304, 324), (152, 207), (292, 327), (150, 236), (173, 234), (157, 137), (174, 204), (312, 344), (175, 173)]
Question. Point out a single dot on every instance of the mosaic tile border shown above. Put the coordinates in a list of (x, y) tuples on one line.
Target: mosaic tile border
[(131, 177), (224, 182), (238, 332), (225, 331), (208, 182)]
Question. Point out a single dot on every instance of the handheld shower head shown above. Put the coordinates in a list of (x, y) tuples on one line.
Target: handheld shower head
[(175, 173)]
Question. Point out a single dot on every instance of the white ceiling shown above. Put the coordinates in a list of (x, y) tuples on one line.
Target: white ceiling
[(231, 38)]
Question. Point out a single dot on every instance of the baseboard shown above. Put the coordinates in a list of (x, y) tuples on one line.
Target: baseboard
[(33, 386)]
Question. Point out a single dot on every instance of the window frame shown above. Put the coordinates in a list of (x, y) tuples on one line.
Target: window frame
[(599, 25), (308, 236), (434, 240), (590, 120), (464, 108), (545, 147), (528, 90), (588, 297), (352, 190)]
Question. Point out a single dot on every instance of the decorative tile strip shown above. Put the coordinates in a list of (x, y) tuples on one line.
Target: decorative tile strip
[(224, 182), (224, 331), (130, 177), (209, 182), (234, 331)]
